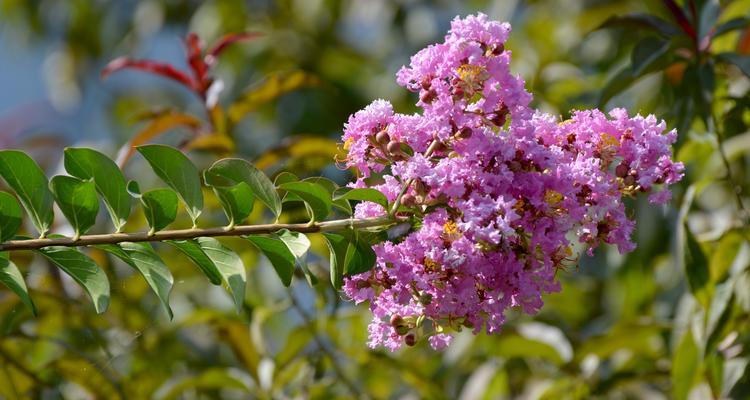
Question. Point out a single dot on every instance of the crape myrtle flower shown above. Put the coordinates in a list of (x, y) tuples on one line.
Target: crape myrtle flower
[(501, 201)]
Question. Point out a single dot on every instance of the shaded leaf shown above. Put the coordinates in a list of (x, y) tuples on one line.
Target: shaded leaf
[(24, 176), (11, 277), (159, 205), (647, 52), (731, 25), (708, 16), (77, 201), (315, 196), (232, 171), (685, 366), (331, 187), (337, 246), (696, 270), (143, 258), (83, 270), (741, 61), (237, 200), (229, 265), (11, 216), (278, 254), (177, 171), (84, 163), (641, 21), (193, 250)]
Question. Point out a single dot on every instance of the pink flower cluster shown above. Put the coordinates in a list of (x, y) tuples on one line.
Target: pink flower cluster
[(499, 193)]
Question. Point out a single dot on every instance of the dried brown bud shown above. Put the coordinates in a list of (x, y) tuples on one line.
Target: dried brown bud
[(410, 340), (464, 133), (428, 96)]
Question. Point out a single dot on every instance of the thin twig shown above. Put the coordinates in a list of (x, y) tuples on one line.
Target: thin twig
[(180, 234), (337, 369)]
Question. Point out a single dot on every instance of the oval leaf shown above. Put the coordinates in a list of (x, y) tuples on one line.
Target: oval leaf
[(77, 200), (314, 195), (85, 164), (229, 265), (696, 270), (331, 187), (177, 171), (362, 194), (278, 254), (232, 171), (10, 216), (160, 207), (83, 270), (143, 258), (237, 200), (337, 246), (24, 176), (194, 251), (298, 244), (11, 277)]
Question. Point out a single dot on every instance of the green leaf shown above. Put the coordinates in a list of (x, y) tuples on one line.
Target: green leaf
[(731, 25), (232, 171), (10, 216), (708, 16), (24, 176), (696, 270), (77, 200), (331, 187), (619, 82), (362, 194), (236, 200), (193, 250), (159, 205), (83, 270), (646, 54), (741, 61), (229, 265), (278, 254), (685, 366), (11, 277), (337, 246), (299, 245), (314, 195), (637, 21), (84, 163), (359, 255), (143, 258), (177, 171)]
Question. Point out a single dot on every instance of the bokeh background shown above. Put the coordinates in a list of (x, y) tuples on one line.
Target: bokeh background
[(622, 327)]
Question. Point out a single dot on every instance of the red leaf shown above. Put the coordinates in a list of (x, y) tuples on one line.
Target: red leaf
[(195, 58), (227, 40), (681, 19), (153, 67)]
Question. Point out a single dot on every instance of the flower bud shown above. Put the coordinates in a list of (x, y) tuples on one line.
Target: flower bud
[(409, 200), (410, 340), (394, 147), (382, 137), (396, 320), (621, 170)]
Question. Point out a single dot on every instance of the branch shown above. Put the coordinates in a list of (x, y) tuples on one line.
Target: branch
[(240, 230)]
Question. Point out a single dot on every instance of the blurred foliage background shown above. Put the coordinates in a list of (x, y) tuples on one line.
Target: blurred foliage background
[(670, 320)]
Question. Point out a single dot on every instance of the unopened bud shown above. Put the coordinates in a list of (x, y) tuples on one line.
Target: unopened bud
[(410, 340), (394, 147), (382, 137), (629, 180), (396, 320)]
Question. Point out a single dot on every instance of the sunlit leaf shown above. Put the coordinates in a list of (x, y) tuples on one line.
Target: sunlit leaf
[(685, 366), (230, 267), (314, 195), (177, 171), (299, 245), (332, 187), (11, 277), (232, 171), (84, 163), (159, 205), (77, 201), (269, 89), (83, 270), (278, 254), (237, 199), (215, 143), (362, 194), (741, 61), (11, 216), (158, 125), (24, 176)]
